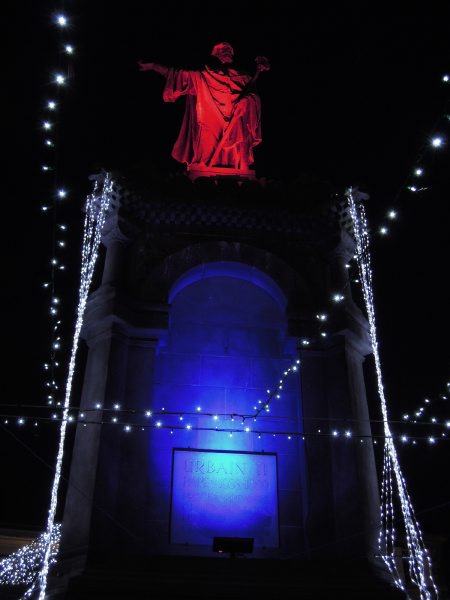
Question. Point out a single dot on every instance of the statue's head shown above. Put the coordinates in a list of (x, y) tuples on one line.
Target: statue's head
[(224, 52)]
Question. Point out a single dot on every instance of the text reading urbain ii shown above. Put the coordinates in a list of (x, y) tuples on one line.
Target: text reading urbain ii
[(226, 475)]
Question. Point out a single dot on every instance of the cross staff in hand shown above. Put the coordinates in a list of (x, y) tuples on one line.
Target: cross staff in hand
[(262, 64)]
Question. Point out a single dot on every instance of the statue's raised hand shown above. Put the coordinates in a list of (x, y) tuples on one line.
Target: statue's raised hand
[(153, 67), (262, 63), (145, 66)]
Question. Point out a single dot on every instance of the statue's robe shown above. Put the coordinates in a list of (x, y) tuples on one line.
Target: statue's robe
[(217, 106)]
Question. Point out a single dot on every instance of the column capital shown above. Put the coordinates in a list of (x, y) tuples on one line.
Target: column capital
[(116, 229)]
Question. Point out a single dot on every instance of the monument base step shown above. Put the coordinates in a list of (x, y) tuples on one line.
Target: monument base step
[(165, 578)]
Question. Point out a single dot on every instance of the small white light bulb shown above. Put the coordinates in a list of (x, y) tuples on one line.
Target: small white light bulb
[(437, 142)]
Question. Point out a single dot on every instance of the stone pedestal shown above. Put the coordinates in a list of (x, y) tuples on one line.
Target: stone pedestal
[(203, 303), (195, 171)]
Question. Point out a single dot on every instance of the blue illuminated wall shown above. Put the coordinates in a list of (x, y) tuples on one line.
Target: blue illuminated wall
[(227, 344)]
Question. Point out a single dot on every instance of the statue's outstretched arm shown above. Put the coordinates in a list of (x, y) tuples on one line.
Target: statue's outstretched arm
[(153, 67)]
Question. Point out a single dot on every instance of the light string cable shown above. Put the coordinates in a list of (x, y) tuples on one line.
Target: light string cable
[(51, 127), (147, 421), (420, 416), (21, 566), (418, 178), (97, 205), (419, 562)]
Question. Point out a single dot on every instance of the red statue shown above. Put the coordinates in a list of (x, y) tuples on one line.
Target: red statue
[(222, 120)]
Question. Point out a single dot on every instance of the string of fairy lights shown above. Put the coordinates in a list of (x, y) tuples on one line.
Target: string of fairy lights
[(30, 564), (130, 420), (419, 177), (433, 409), (227, 425), (22, 566), (50, 124), (419, 563), (96, 209), (44, 552)]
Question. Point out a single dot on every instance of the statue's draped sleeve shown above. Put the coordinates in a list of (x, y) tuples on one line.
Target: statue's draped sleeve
[(183, 83), (178, 83)]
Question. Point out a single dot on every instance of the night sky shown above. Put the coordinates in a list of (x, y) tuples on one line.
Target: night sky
[(353, 96)]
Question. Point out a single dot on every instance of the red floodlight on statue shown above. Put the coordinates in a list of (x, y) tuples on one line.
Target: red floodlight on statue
[(222, 120)]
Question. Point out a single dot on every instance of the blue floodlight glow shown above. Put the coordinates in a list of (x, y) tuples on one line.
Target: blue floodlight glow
[(221, 355), (225, 494)]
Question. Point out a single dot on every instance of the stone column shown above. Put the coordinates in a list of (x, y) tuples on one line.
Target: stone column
[(100, 333), (319, 513), (83, 472), (116, 242), (353, 326), (121, 522), (368, 479)]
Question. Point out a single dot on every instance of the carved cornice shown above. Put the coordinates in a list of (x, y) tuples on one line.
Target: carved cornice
[(228, 206)]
